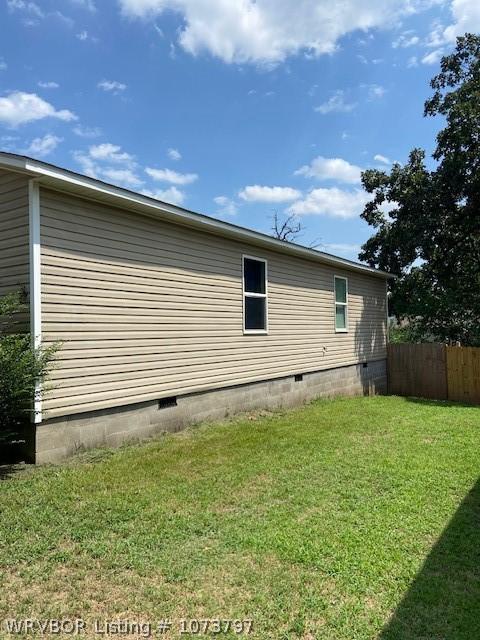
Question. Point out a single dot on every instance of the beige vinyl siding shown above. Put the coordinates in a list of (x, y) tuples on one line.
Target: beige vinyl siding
[(14, 243), (147, 309)]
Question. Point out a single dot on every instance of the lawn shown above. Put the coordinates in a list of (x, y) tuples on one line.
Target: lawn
[(346, 519)]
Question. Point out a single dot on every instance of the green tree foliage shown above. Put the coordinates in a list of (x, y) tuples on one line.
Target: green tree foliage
[(21, 367), (428, 222)]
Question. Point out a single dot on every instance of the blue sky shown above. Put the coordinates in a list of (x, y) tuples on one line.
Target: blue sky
[(234, 109)]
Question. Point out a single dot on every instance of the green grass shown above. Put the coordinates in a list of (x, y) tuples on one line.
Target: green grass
[(346, 519)]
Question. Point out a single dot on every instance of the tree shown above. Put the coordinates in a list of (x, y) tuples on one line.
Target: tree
[(428, 221), (289, 229)]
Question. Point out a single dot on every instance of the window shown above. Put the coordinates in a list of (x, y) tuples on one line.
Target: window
[(254, 295), (341, 304)]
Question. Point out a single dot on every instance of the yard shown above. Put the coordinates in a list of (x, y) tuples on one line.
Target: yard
[(346, 519)]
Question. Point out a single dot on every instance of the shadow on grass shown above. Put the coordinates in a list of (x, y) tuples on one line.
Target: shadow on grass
[(12, 457), (443, 602), (10, 470)]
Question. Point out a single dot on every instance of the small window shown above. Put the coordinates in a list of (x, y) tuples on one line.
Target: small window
[(341, 304), (255, 295)]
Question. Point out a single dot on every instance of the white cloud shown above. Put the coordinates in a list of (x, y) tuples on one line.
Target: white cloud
[(364, 60), (433, 57), (331, 169), (41, 147), (58, 15), (466, 15), (383, 159), (3, 65), (268, 31), (86, 132), (112, 86), (412, 62), (466, 18), (173, 177), (172, 195), (83, 36), (122, 176), (333, 202), (28, 7), (366, 40), (110, 153), (48, 85), (406, 39), (257, 193), (336, 104), (375, 91), (174, 154), (109, 162), (227, 207), (87, 165), (19, 107), (32, 14), (436, 37)]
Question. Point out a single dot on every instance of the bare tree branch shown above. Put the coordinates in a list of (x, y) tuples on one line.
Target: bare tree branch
[(316, 243), (287, 229), (290, 229)]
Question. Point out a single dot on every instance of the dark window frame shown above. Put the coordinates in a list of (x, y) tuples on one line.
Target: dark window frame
[(251, 294)]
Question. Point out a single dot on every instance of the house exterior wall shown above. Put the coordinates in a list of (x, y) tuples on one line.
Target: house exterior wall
[(14, 235), (147, 309), (64, 436)]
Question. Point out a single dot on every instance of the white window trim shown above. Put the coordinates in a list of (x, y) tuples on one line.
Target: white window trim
[(344, 304), (258, 332)]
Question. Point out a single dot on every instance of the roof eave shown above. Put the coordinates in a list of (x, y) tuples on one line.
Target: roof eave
[(69, 181)]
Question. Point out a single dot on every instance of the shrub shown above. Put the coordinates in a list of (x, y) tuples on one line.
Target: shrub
[(409, 331), (403, 333), (21, 368)]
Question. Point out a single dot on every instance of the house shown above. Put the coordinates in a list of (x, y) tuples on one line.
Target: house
[(167, 317)]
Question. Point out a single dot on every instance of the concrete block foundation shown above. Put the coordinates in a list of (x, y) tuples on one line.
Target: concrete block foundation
[(59, 438)]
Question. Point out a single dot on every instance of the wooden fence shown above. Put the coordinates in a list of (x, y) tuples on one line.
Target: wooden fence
[(434, 371)]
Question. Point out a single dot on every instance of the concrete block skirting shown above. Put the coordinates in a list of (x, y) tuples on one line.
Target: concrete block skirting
[(58, 438)]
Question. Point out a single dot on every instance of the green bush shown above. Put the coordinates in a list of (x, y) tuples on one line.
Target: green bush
[(21, 368), (409, 331), (405, 333)]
